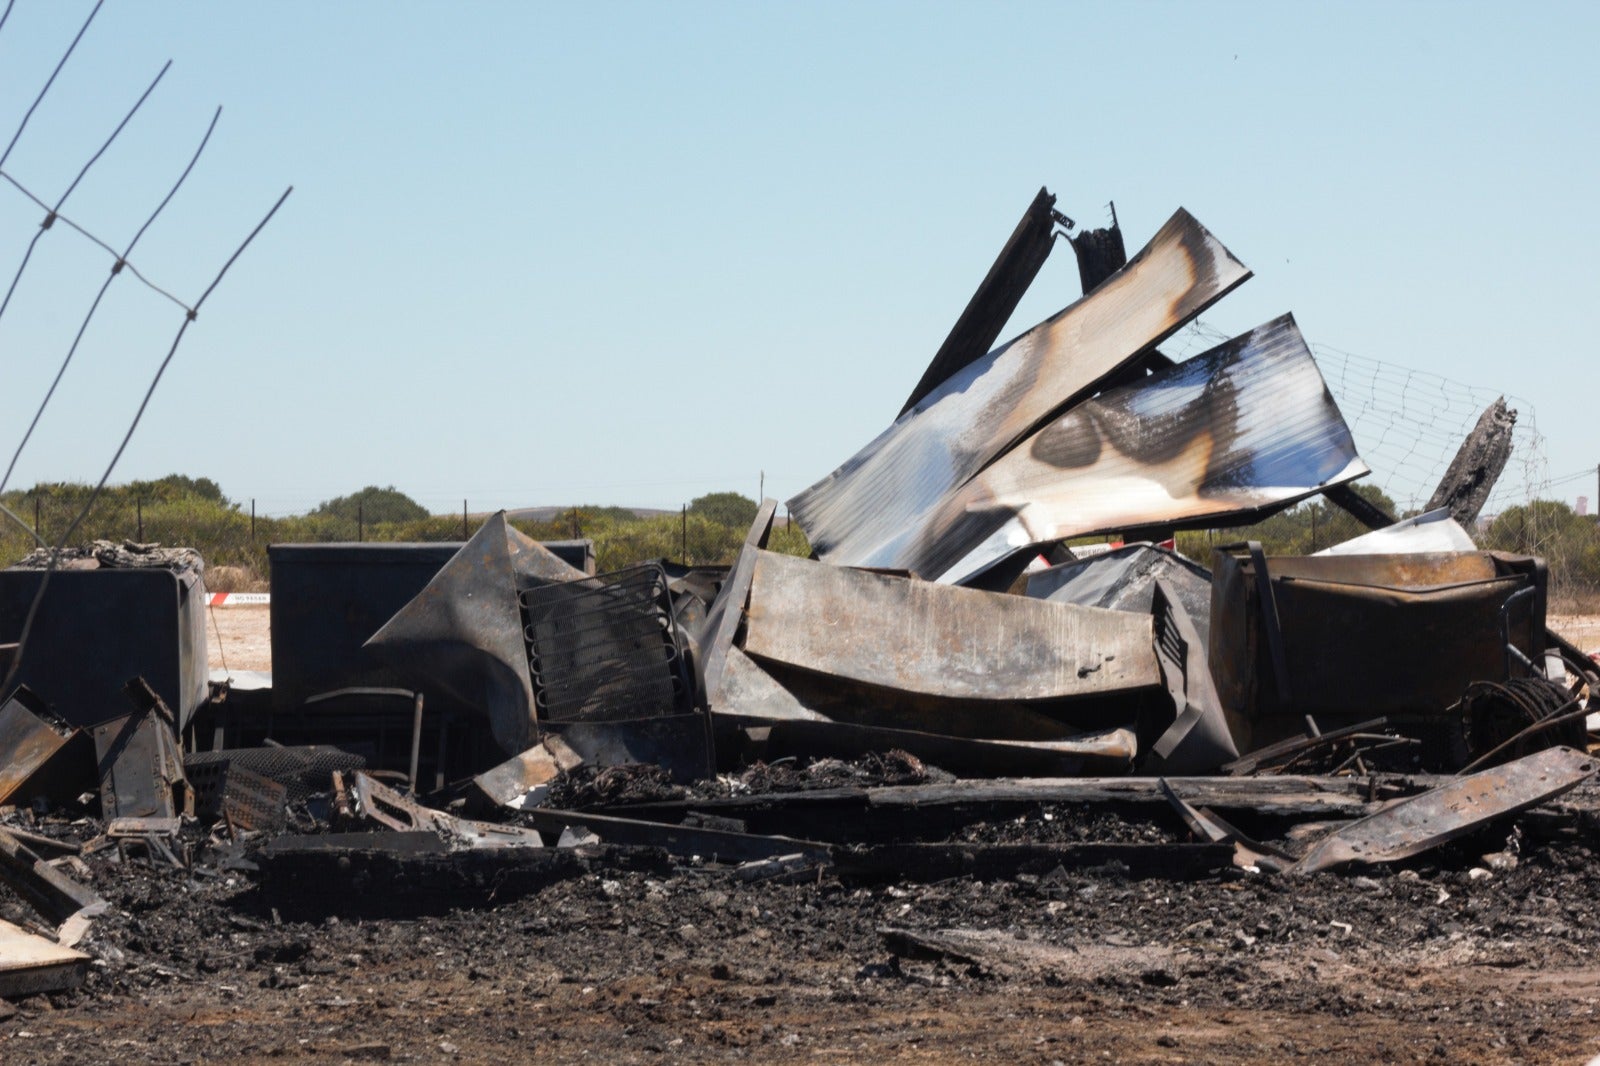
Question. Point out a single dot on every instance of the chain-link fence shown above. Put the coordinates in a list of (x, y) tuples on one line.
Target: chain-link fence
[(1408, 425)]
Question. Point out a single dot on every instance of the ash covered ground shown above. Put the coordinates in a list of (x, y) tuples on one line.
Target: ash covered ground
[(1482, 951)]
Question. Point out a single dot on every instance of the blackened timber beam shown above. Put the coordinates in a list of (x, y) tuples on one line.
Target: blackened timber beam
[(1477, 466), (997, 297), (1358, 506)]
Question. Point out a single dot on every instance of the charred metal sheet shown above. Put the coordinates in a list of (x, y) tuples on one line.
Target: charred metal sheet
[(31, 964), (727, 611), (1124, 579), (1463, 804), (940, 641), (461, 636), (864, 512), (934, 640), (1471, 475), (387, 807), (30, 737), (1246, 428), (774, 723), (1201, 737), (750, 693), (1003, 287), (138, 759), (1367, 634), (1432, 531)]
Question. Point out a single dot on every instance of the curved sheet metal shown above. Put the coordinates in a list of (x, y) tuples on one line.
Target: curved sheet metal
[(977, 413), (918, 637), (1248, 426)]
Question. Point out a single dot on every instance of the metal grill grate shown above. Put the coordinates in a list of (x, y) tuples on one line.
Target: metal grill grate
[(605, 648)]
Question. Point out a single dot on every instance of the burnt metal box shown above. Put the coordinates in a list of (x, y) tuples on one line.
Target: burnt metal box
[(1356, 636), (98, 629), (327, 599)]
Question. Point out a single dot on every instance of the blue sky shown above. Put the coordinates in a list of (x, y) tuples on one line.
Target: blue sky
[(632, 253)]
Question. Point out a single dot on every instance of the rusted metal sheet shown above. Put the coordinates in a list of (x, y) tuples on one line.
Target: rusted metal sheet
[(138, 759), (774, 724), (462, 635), (1366, 635), (860, 514), (30, 737), (727, 611), (917, 637), (991, 306), (1412, 826), (1246, 428)]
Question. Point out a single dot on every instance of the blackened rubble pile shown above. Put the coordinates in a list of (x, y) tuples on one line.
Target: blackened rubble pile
[(453, 725)]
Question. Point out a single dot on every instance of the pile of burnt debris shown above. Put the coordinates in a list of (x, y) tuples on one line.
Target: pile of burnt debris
[(452, 725)]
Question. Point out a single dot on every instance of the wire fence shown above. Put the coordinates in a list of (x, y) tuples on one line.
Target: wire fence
[(233, 536), (1407, 425)]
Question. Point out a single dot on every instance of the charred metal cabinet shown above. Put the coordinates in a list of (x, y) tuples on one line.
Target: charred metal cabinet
[(97, 629)]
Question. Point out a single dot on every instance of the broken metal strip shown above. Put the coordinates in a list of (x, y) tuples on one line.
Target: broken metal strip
[(712, 845), (1104, 751), (991, 306), (727, 611), (854, 515), (939, 640), (1457, 807), (1248, 426), (48, 890)]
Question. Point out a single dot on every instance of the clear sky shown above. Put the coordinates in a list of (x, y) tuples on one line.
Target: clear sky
[(633, 253)]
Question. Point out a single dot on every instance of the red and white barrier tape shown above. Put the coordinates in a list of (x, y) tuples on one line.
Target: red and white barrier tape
[(241, 599)]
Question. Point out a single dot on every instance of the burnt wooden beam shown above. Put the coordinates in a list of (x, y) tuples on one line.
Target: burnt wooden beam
[(1358, 506), (1470, 478), (990, 308)]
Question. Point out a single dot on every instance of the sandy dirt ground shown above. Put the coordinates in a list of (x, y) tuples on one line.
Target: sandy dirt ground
[(239, 638), (1582, 629)]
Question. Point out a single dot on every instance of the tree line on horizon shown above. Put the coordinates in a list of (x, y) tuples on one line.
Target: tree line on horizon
[(194, 512)]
